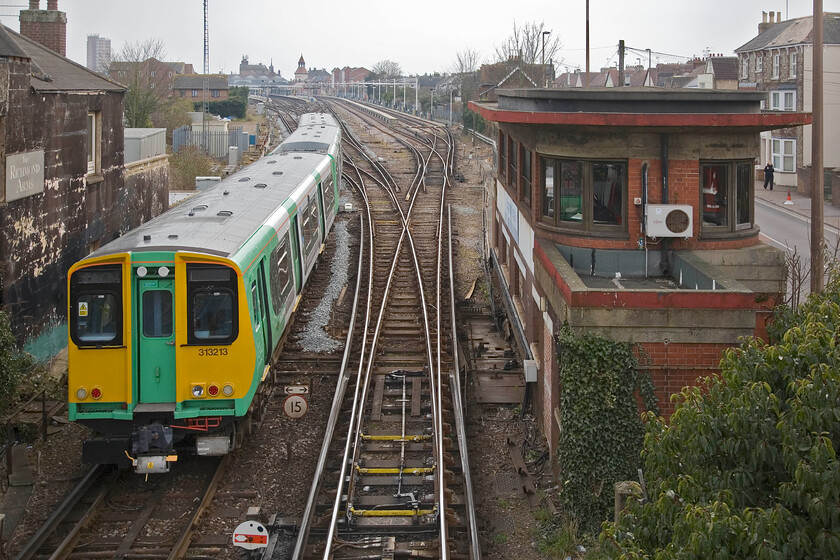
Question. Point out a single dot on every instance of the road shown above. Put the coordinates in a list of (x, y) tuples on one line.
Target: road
[(791, 232)]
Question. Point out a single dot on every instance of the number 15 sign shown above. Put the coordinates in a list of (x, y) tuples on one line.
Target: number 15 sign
[(295, 406)]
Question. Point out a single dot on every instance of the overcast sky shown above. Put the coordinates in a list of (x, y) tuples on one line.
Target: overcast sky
[(423, 37)]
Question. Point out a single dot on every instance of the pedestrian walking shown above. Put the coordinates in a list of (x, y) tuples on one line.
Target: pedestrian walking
[(768, 175)]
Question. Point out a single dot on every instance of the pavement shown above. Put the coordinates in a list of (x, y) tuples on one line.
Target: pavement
[(799, 204)]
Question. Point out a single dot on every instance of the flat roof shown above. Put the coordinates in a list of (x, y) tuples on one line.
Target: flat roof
[(637, 107)]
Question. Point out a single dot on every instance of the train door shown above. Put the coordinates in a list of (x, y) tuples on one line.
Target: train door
[(259, 297), (156, 344), (322, 215), (297, 256)]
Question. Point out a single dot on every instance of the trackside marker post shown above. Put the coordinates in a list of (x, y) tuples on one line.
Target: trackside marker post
[(250, 535)]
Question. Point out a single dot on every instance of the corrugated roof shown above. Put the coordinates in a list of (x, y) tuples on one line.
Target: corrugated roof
[(52, 72), (794, 32)]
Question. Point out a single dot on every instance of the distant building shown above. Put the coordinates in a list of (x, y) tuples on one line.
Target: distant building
[(246, 69), (301, 73), (512, 73), (192, 87), (779, 61), (98, 53)]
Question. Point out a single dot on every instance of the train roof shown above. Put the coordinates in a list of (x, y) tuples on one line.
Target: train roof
[(317, 132), (221, 219), (310, 119)]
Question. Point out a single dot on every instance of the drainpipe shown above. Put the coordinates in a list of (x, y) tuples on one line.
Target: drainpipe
[(664, 267), (644, 212)]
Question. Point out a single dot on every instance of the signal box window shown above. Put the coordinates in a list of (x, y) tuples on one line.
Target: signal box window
[(211, 294), (96, 306), (726, 195), (584, 195)]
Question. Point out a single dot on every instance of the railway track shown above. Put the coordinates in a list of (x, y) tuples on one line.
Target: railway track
[(393, 476), (400, 486), (116, 514)]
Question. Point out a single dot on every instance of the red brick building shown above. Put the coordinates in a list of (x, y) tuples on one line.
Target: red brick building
[(630, 212)]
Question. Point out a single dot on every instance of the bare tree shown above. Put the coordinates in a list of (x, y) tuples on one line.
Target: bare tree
[(140, 67), (466, 61), (526, 44), (387, 69)]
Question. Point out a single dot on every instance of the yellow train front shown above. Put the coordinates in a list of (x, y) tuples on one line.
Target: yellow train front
[(172, 327)]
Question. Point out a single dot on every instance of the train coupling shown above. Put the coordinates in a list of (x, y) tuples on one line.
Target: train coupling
[(153, 449), (152, 464)]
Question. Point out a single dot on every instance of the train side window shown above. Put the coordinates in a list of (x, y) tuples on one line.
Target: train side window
[(281, 274), (96, 306), (211, 292), (329, 196), (311, 226)]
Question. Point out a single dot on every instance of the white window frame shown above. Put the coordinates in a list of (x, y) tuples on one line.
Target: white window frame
[(745, 67), (92, 142), (783, 100), (794, 59), (759, 64), (783, 154), (776, 65)]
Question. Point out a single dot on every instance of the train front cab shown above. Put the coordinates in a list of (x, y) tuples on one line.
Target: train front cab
[(157, 356)]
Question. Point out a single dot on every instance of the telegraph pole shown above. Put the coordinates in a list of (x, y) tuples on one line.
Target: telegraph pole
[(817, 172), (621, 63), (587, 43)]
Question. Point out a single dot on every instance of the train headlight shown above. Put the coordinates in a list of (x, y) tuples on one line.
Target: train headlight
[(81, 393), (213, 390), (197, 390), (163, 271), (227, 389), (142, 271), (96, 393)]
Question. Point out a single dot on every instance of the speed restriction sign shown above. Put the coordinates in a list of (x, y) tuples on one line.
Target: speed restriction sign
[(295, 406)]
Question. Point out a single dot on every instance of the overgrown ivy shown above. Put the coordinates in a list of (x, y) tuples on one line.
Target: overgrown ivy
[(15, 367), (748, 466), (602, 431)]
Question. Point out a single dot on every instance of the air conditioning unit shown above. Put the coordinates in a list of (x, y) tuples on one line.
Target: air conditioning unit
[(669, 220)]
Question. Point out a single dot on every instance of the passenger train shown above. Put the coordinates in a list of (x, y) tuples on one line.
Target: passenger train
[(173, 326)]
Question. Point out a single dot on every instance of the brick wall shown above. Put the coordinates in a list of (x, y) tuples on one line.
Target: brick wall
[(677, 365)]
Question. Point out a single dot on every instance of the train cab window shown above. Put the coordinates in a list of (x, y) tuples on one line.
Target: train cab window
[(281, 275), (211, 292), (96, 306)]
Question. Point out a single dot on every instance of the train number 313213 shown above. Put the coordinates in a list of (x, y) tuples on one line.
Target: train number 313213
[(212, 351)]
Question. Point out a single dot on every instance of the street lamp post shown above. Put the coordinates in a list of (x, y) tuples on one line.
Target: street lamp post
[(545, 72)]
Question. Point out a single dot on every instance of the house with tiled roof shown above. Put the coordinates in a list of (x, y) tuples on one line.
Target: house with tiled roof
[(65, 190), (779, 61), (191, 87)]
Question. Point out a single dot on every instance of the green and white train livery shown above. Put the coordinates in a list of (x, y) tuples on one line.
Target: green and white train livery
[(173, 326)]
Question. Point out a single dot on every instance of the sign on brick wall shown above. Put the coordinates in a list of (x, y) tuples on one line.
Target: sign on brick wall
[(24, 174)]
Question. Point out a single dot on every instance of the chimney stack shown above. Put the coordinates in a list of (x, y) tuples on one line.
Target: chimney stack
[(47, 27), (775, 17)]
